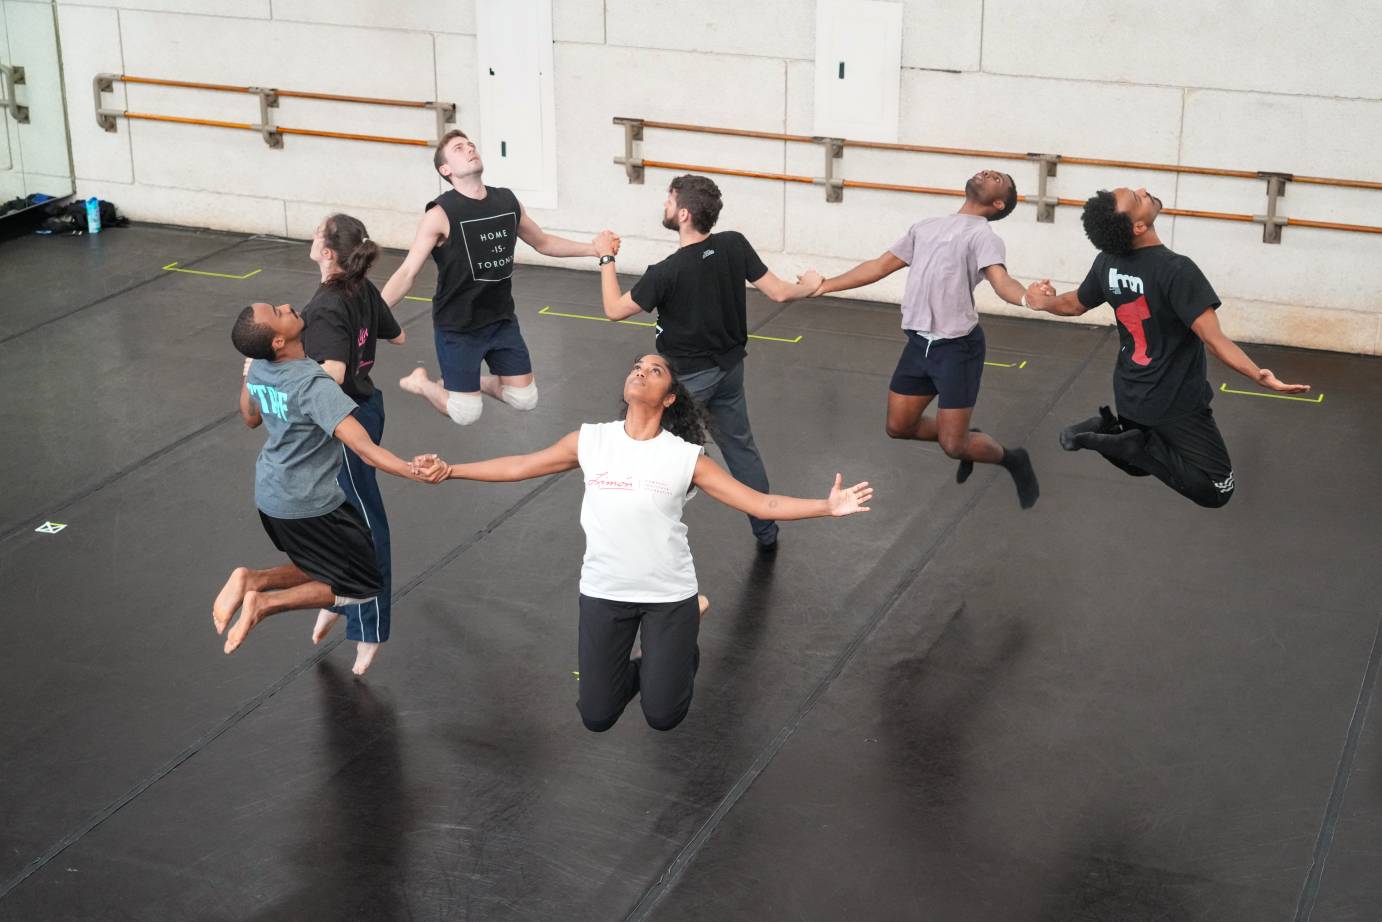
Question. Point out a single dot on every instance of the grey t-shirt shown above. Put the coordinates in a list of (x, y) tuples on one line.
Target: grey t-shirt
[(947, 257), (295, 477)]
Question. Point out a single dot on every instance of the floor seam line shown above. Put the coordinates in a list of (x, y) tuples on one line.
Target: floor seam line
[(658, 890), (1324, 840), (249, 707)]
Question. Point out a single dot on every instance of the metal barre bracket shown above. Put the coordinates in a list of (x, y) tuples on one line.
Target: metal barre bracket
[(834, 156), (1046, 204), (105, 83), (633, 165), (12, 76), (1271, 222), (268, 99), (446, 115)]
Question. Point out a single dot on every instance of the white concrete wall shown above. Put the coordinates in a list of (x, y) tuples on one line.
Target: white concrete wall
[(1247, 84)]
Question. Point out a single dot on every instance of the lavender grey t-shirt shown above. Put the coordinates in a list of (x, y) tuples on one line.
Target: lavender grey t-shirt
[(947, 257)]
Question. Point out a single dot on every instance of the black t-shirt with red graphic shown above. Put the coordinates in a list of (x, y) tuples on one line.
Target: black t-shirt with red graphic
[(1155, 295)]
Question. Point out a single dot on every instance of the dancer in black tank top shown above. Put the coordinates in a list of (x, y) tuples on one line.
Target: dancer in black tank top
[(471, 231)]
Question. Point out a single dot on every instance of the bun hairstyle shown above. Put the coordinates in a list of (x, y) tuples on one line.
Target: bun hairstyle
[(355, 252)]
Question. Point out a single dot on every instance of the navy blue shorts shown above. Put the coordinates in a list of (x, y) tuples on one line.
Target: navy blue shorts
[(499, 345), (951, 368)]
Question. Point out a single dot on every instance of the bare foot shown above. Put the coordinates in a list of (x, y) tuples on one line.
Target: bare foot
[(416, 381), (223, 609), (489, 384), (249, 617), (704, 603), (326, 620), (364, 655)]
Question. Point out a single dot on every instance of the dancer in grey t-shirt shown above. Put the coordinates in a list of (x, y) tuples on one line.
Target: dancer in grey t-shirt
[(944, 356), (301, 506)]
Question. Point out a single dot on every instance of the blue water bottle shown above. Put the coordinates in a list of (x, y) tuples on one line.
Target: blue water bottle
[(93, 215)]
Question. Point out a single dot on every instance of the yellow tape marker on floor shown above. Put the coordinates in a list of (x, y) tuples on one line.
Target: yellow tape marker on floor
[(412, 298), (643, 323), (1225, 389), (1019, 365), (172, 267)]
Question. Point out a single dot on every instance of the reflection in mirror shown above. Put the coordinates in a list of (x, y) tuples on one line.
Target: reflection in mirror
[(35, 158)]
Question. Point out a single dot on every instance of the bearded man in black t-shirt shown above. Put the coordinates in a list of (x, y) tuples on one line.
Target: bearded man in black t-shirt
[(1165, 310), (702, 319)]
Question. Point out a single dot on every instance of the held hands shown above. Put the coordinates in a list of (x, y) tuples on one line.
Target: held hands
[(429, 469), (850, 500), (606, 243), (1039, 294), (1267, 379), (812, 281)]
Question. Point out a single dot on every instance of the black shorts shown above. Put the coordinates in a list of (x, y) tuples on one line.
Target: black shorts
[(335, 549), (951, 368), (499, 345)]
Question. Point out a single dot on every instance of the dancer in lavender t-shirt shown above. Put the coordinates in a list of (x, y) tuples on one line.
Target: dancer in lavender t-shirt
[(944, 355)]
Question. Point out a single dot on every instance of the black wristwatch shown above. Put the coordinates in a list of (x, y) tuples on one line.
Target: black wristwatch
[(606, 259)]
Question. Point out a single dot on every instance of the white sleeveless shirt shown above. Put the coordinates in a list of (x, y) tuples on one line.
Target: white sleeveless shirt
[(635, 542)]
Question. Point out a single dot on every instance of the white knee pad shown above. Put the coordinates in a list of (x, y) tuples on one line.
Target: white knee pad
[(520, 398), (464, 409)]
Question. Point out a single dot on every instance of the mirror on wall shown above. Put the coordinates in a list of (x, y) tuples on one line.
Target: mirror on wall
[(35, 158)]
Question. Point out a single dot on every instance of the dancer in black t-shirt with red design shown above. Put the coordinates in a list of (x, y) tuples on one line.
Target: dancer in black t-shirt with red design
[(1165, 312), (471, 231)]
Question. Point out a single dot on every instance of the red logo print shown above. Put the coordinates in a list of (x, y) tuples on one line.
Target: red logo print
[(1131, 316)]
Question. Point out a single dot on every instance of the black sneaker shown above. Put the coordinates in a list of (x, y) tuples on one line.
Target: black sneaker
[(1024, 477), (1104, 424)]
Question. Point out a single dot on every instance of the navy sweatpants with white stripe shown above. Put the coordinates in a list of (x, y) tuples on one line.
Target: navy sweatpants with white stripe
[(368, 621)]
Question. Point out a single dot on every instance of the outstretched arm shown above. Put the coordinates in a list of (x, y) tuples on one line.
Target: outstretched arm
[(431, 231), (781, 290), (865, 273), (1004, 285), (552, 460), (1206, 327), (549, 244), (357, 440), (718, 483)]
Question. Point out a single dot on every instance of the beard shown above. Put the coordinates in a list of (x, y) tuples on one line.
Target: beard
[(670, 223), (972, 188)]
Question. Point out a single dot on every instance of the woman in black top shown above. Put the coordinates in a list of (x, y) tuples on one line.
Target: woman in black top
[(344, 321)]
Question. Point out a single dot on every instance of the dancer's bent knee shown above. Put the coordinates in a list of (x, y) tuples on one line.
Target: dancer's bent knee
[(520, 398), (464, 409)]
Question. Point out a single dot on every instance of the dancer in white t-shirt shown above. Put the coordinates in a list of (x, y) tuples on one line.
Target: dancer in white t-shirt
[(638, 571)]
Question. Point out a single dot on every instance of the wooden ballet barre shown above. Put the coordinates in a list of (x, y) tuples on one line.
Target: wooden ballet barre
[(1047, 165), (268, 99)]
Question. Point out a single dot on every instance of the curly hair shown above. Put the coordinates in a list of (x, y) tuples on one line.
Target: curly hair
[(252, 340), (1009, 201), (1109, 229), (685, 418)]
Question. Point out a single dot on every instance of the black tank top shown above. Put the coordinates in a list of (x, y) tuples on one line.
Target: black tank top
[(475, 262)]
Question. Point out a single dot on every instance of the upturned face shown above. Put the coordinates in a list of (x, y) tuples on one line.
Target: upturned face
[(283, 320), (1139, 205), (649, 382), (460, 158)]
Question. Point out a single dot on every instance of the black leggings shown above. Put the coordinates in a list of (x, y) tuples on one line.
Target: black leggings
[(1187, 454), (664, 674)]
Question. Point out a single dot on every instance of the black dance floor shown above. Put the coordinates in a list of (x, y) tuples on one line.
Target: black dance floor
[(1115, 706)]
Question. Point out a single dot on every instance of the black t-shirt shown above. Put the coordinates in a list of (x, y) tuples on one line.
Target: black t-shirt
[(698, 293), (475, 262), (1156, 295), (344, 326)]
